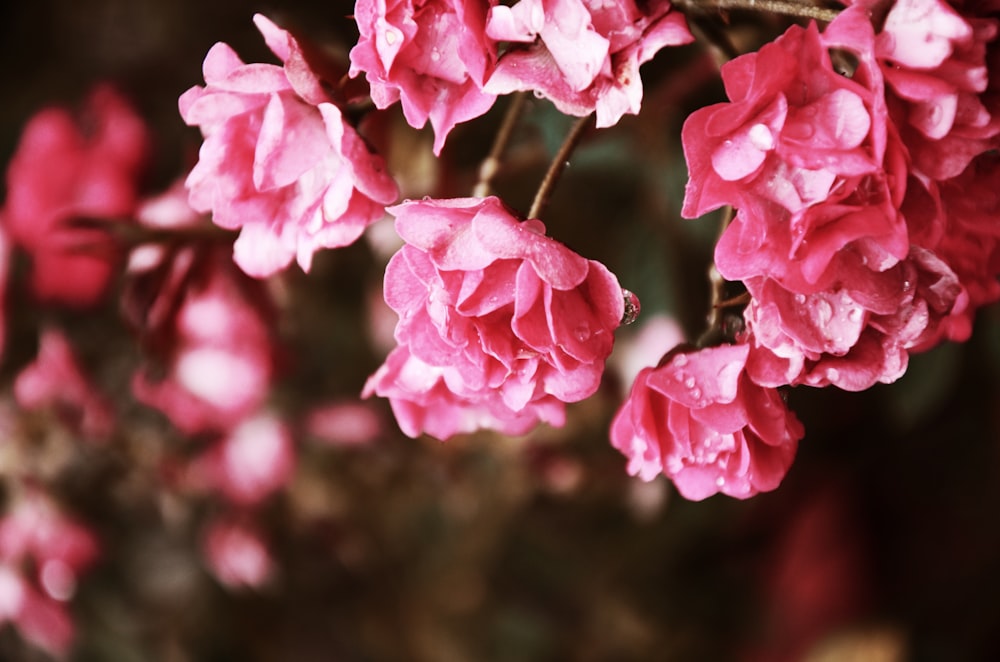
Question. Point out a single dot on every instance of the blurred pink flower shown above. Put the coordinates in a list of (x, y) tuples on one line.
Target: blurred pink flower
[(278, 161), (42, 621), (55, 382), (698, 419), (253, 461), (344, 423), (499, 325), (61, 173), (235, 552), (970, 240), (211, 343), (35, 535), (583, 56), (432, 56), (4, 276)]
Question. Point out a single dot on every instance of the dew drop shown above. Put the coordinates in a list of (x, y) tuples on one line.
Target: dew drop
[(800, 298), (582, 332), (832, 374), (696, 393), (854, 315), (720, 481), (689, 382), (391, 37), (435, 55), (680, 360), (538, 94), (632, 307)]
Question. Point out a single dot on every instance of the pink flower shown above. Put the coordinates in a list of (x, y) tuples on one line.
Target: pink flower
[(254, 460), (934, 57), (807, 156), (56, 382), (499, 325), (432, 56), (583, 56), (856, 333), (61, 173), (278, 161), (236, 554), (701, 421), (209, 332)]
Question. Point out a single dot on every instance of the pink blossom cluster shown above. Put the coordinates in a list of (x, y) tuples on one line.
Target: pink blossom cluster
[(499, 325), (843, 240), (211, 361), (447, 60), (865, 229)]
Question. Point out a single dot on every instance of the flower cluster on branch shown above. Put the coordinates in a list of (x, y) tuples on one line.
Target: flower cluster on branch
[(857, 164)]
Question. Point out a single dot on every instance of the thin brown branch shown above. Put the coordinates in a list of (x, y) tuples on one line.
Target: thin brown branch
[(558, 164), (491, 164)]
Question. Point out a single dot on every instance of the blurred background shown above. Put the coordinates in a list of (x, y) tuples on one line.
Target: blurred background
[(881, 544)]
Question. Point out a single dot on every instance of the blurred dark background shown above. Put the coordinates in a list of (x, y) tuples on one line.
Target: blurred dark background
[(882, 543)]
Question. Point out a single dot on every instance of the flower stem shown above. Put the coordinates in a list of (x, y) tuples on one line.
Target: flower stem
[(491, 164), (560, 161), (714, 332), (785, 7)]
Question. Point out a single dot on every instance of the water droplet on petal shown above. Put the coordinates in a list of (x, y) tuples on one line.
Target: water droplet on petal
[(582, 332), (681, 360), (632, 307), (689, 382), (720, 481)]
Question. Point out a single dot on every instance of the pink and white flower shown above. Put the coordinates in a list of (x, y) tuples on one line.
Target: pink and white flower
[(432, 56), (583, 56), (934, 56), (279, 162), (499, 325), (698, 419), (805, 154)]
